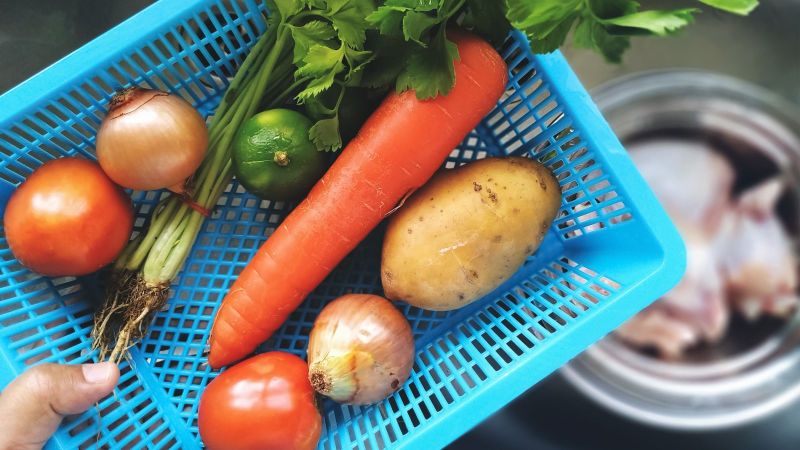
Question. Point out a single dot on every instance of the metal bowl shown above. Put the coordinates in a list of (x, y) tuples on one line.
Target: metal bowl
[(755, 370)]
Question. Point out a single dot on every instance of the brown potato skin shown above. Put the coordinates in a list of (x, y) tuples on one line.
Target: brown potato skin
[(467, 231)]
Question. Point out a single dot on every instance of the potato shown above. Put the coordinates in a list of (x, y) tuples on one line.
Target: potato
[(467, 231)]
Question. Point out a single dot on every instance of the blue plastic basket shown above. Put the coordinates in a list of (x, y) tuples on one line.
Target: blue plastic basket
[(610, 252)]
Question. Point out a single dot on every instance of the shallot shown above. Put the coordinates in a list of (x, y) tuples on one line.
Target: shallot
[(151, 140), (360, 350)]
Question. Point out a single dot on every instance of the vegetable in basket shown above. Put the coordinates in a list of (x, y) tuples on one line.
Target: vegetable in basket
[(140, 282), (265, 402), (402, 144), (273, 157), (360, 350), (467, 231), (355, 107), (294, 58), (603, 26), (151, 140), (67, 218)]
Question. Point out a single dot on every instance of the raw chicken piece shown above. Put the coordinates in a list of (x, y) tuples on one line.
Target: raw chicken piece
[(758, 255), (699, 298), (694, 184), (689, 178), (693, 311), (654, 327), (738, 254)]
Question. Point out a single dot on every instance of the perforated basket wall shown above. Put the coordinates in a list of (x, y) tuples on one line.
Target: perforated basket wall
[(609, 253)]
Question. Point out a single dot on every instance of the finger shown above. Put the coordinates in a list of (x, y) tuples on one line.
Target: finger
[(32, 406)]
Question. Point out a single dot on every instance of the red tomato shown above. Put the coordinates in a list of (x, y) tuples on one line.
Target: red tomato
[(263, 403), (68, 218)]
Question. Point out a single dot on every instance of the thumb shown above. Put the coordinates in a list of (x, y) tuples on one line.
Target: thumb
[(32, 406)]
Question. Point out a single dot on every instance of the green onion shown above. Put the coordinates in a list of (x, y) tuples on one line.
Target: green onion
[(141, 276)]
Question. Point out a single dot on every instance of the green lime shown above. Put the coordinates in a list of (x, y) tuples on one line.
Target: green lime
[(273, 157)]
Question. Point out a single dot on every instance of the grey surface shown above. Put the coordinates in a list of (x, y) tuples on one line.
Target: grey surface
[(36, 33), (764, 49)]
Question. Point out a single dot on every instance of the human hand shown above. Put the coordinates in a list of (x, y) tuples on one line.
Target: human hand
[(32, 406)]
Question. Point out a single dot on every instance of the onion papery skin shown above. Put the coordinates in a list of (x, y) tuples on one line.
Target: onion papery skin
[(360, 350), (151, 140)]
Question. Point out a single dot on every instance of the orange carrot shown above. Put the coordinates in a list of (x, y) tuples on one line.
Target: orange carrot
[(397, 150)]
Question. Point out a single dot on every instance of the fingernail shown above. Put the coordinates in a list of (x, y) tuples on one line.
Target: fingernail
[(97, 373)]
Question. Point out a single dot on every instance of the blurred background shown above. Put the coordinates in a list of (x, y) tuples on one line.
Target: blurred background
[(710, 117)]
